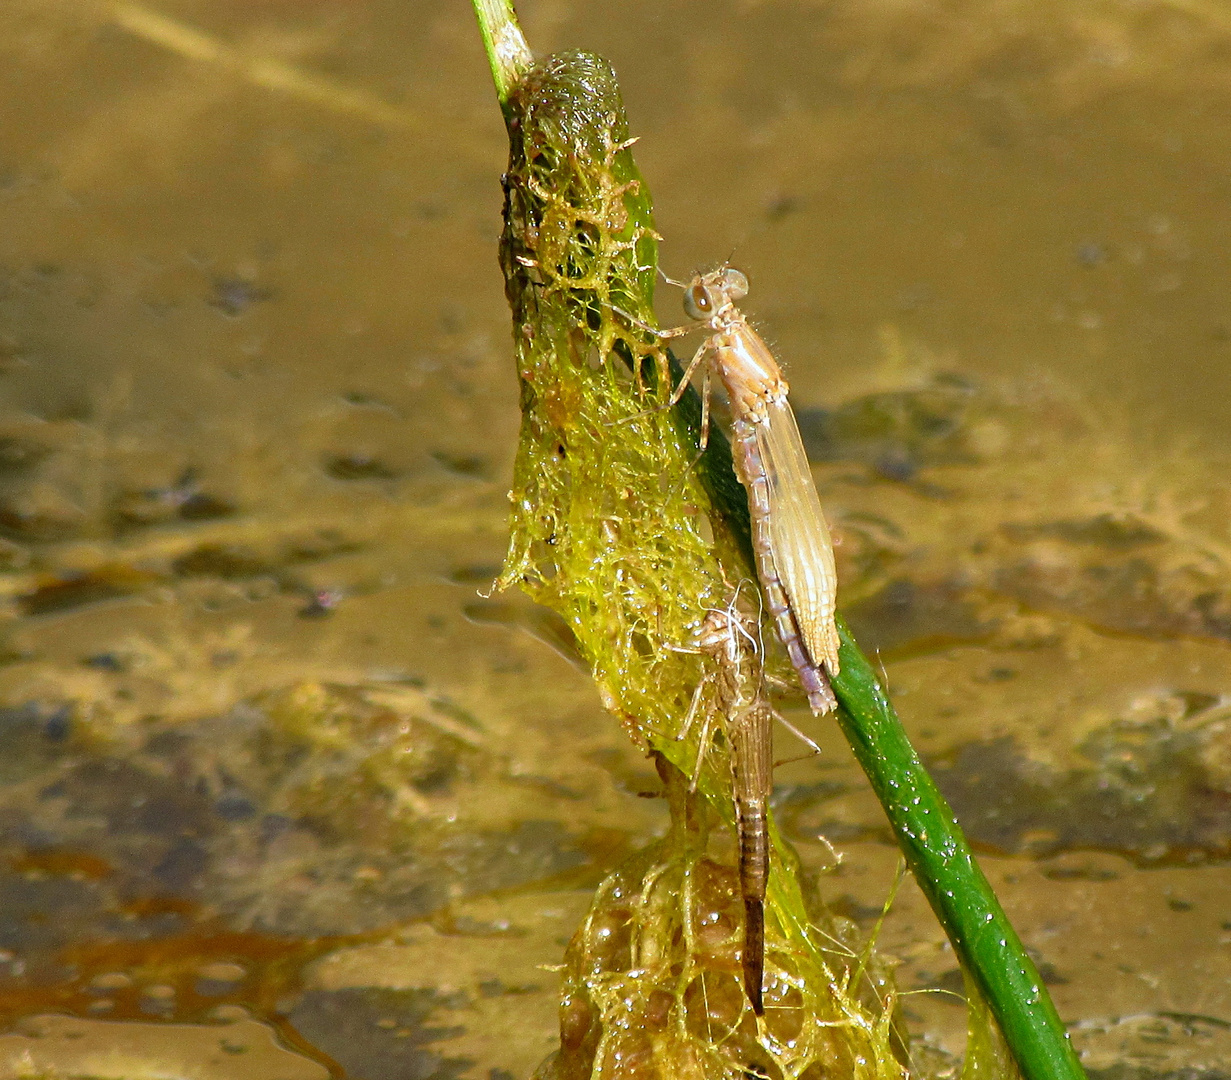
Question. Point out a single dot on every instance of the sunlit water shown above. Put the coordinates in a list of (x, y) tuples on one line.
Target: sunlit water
[(281, 793)]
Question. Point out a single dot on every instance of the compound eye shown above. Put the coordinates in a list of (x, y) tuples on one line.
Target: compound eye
[(698, 304), (734, 284)]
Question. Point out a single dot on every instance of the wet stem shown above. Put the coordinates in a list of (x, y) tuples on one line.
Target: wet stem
[(506, 47)]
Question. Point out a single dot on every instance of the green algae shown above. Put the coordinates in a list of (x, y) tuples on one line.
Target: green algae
[(610, 523), (615, 530)]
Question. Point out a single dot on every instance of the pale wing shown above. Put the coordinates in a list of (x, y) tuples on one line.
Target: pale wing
[(802, 549)]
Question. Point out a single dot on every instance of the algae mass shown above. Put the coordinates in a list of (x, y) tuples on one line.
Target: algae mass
[(613, 529)]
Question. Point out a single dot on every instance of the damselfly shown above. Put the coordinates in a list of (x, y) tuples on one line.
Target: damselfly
[(791, 542)]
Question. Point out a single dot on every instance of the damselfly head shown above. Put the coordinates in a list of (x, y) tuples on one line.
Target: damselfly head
[(700, 301), (710, 293)]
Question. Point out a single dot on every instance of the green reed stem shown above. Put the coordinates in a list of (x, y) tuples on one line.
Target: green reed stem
[(927, 832), (504, 43), (946, 870)]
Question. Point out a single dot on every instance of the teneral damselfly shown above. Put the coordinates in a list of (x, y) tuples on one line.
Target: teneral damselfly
[(790, 539)]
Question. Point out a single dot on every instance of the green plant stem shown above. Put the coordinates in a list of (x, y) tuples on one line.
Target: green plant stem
[(927, 832), (945, 867), (505, 45)]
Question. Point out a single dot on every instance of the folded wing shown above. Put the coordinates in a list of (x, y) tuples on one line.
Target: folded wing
[(802, 548)]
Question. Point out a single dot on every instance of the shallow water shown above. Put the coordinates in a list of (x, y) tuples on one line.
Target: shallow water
[(282, 794)]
